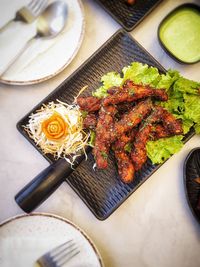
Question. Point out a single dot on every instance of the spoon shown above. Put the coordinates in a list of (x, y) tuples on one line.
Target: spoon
[(49, 24)]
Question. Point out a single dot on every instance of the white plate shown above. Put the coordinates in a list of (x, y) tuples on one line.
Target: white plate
[(44, 58), (23, 239)]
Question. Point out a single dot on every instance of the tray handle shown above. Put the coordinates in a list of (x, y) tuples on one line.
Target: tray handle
[(44, 184)]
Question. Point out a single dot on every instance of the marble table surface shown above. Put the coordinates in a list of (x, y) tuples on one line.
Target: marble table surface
[(154, 226)]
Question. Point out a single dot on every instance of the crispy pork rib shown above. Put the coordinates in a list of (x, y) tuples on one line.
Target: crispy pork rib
[(89, 103), (104, 132), (125, 166), (159, 131), (133, 117), (113, 90), (171, 127), (132, 92), (90, 121), (171, 124), (138, 153), (130, 2)]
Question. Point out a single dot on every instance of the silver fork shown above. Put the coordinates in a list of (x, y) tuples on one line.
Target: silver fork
[(28, 13), (59, 255)]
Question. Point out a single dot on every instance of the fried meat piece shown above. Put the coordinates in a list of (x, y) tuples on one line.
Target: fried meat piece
[(90, 121), (113, 90), (173, 125), (159, 94), (125, 166), (159, 131), (138, 153), (124, 107), (130, 2), (170, 125), (132, 118), (89, 103), (132, 92), (104, 132)]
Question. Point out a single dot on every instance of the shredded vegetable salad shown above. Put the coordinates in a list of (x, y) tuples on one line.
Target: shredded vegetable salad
[(57, 128)]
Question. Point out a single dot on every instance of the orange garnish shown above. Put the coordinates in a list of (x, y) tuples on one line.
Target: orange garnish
[(197, 180), (55, 127)]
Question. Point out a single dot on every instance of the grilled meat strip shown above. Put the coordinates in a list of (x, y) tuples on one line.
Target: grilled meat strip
[(128, 93), (132, 92), (113, 90), (138, 153), (104, 133), (130, 2), (132, 118), (159, 131), (90, 121), (125, 166), (171, 124), (89, 103), (171, 127)]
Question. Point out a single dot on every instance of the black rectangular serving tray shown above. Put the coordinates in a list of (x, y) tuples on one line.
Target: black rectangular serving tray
[(128, 16), (101, 190)]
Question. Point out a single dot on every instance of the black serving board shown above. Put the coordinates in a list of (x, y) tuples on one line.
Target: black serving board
[(128, 16), (192, 188), (101, 190)]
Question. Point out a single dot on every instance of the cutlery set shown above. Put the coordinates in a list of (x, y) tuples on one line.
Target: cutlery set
[(51, 20), (59, 256), (28, 13)]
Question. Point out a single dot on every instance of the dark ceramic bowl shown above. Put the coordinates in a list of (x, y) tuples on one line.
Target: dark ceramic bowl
[(163, 44), (192, 187)]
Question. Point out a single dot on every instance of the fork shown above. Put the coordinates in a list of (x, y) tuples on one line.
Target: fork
[(28, 13), (60, 255)]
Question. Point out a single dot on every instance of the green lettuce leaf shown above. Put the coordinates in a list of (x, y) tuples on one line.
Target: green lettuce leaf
[(192, 107), (167, 80), (141, 74), (186, 86), (184, 102), (175, 106), (136, 68), (110, 79), (197, 128), (92, 138), (187, 124), (160, 150)]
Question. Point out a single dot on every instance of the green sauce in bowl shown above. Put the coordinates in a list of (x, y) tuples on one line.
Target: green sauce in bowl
[(179, 33)]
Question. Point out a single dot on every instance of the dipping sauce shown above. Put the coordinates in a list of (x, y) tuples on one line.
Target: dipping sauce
[(179, 33)]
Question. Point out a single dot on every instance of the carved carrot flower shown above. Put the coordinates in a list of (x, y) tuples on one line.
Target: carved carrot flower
[(55, 127)]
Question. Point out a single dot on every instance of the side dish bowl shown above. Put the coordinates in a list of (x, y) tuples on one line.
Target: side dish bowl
[(192, 186), (179, 33)]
